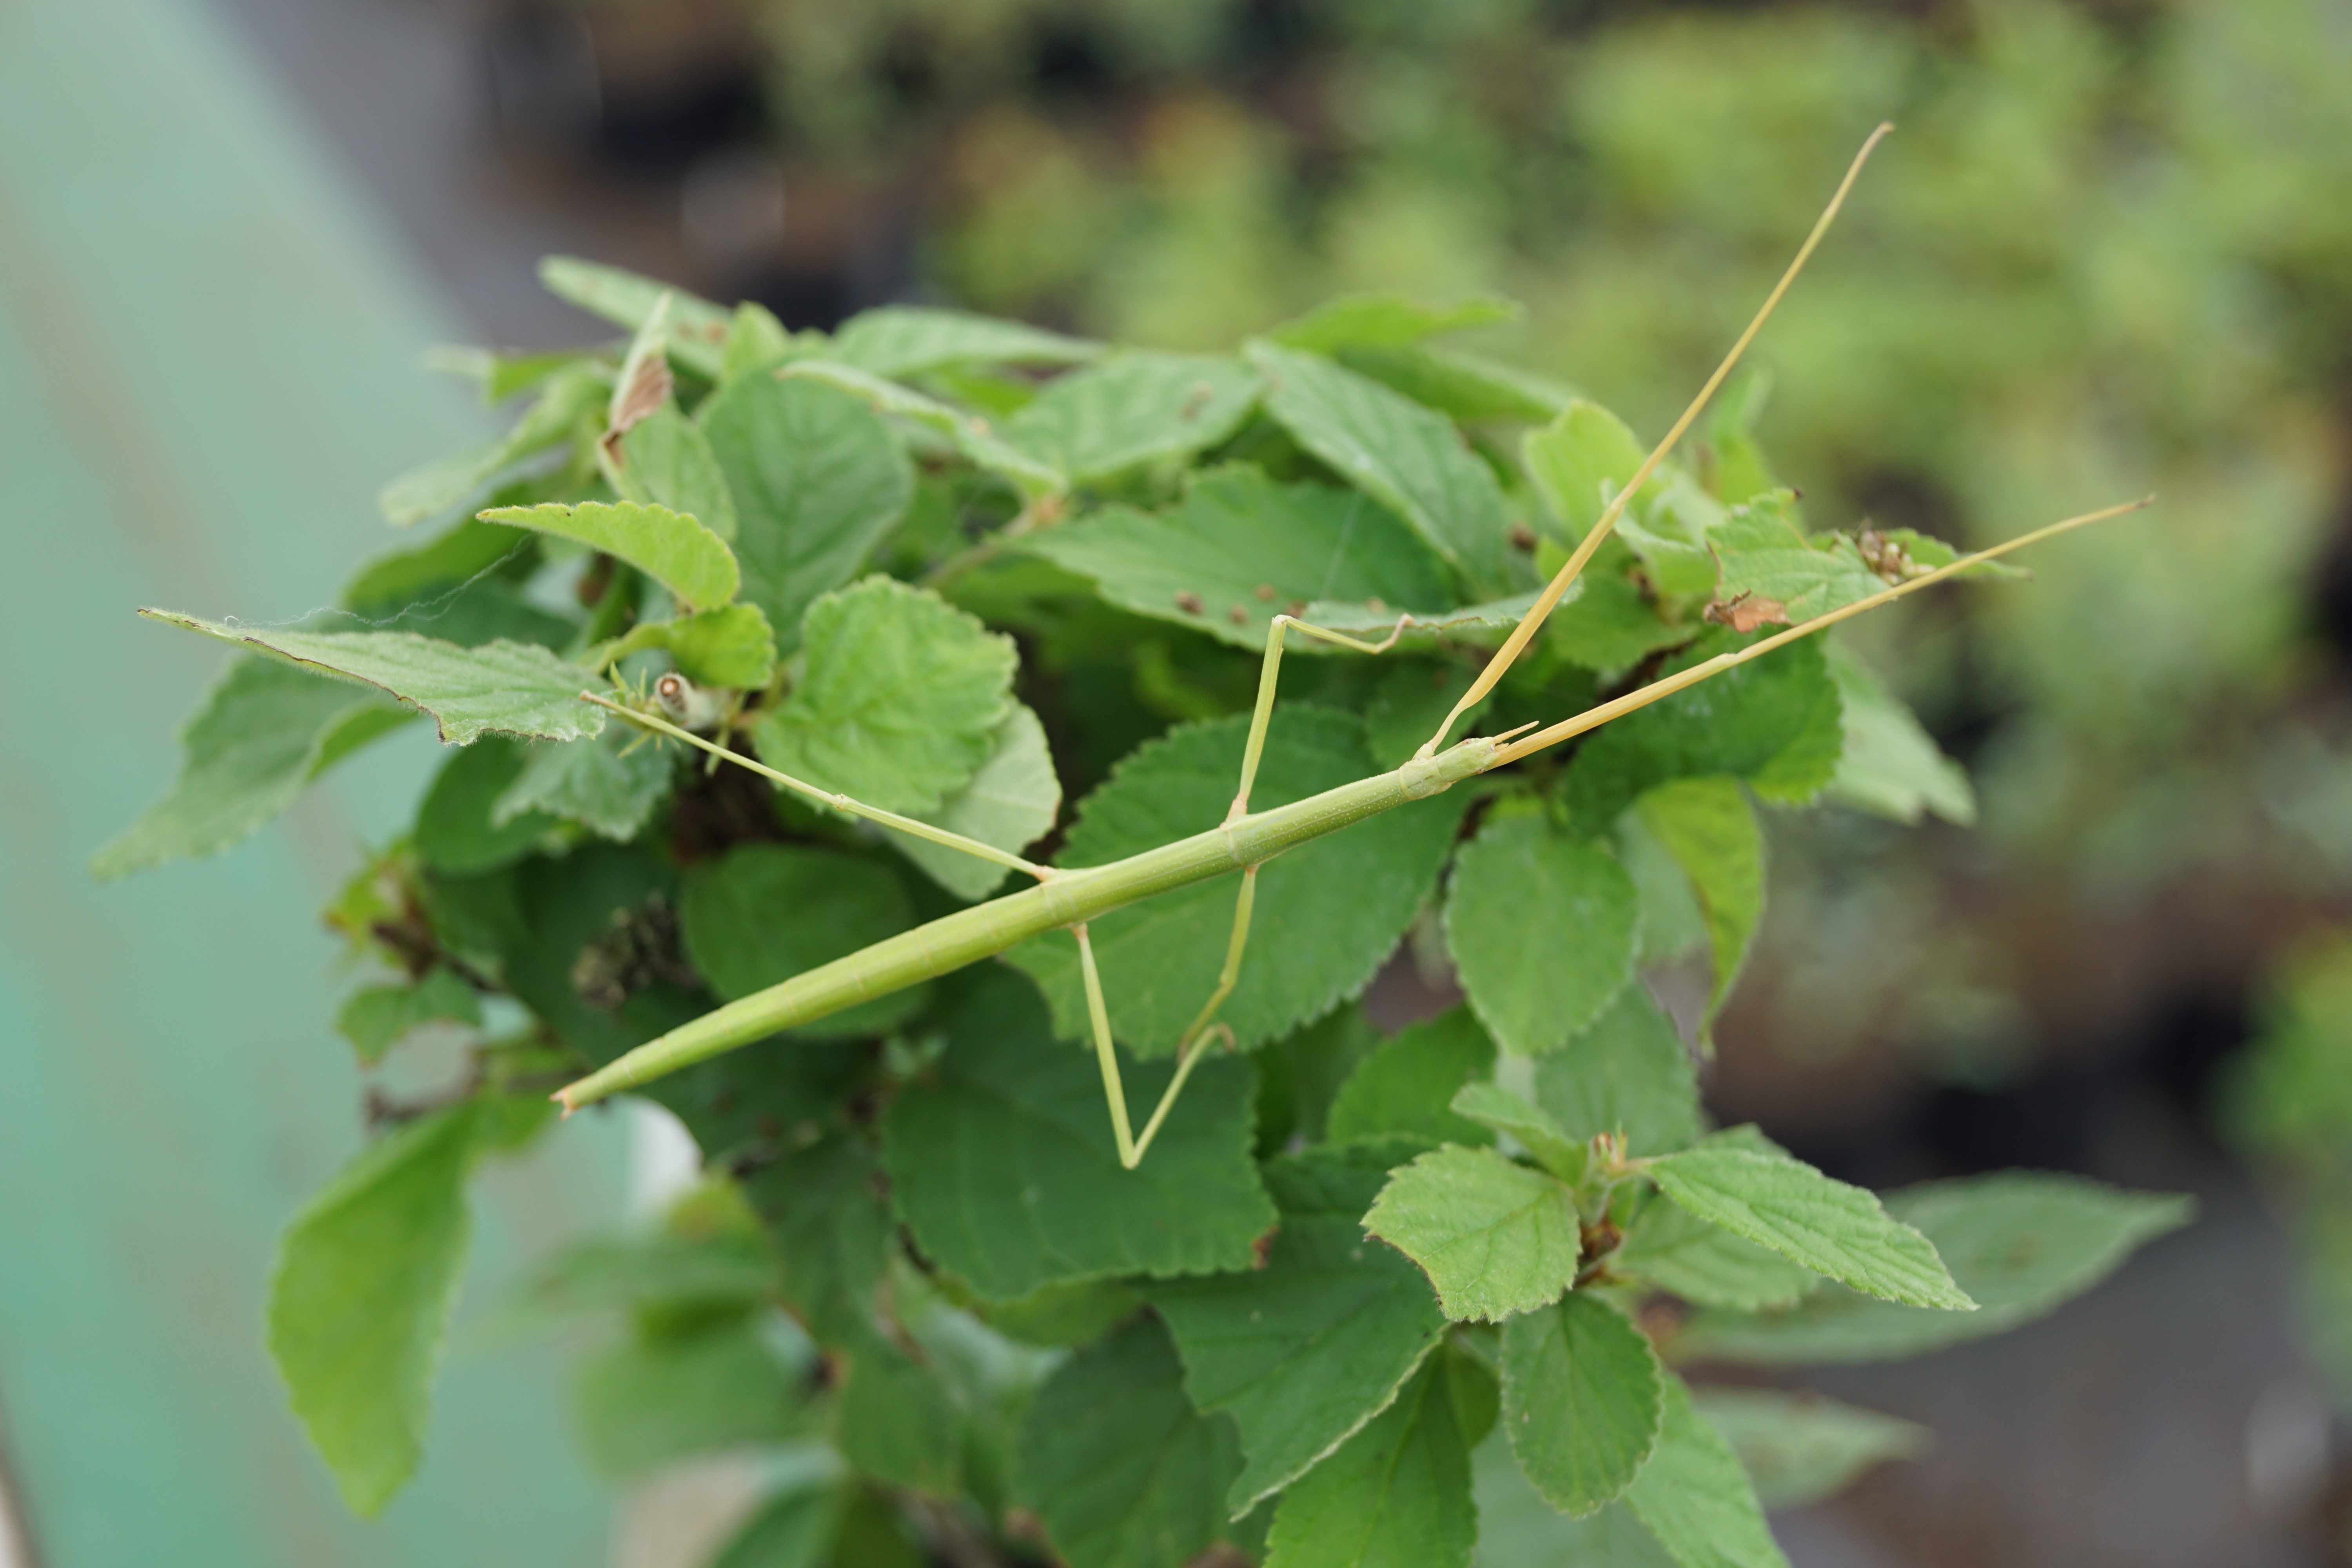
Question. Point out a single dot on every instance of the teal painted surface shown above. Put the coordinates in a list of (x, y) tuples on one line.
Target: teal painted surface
[(208, 362)]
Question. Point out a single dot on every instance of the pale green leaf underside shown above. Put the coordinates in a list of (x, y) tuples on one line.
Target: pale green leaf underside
[(1304, 1350), (1800, 1448), (263, 731), (676, 552), (1708, 828), (1695, 1496), (1891, 766), (900, 700), (360, 1299), (501, 688), (1542, 928), (1327, 913), (1003, 1165), (1396, 1495), (908, 340), (698, 335), (1133, 408), (1494, 1237), (1828, 1225), (1581, 1401), (967, 433), (375, 1017), (1115, 1462), (2021, 1244), (666, 459), (1009, 804), (1410, 459), (1242, 548)]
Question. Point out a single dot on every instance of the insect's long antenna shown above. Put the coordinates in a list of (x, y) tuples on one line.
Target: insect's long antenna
[(1593, 718), (1532, 622)]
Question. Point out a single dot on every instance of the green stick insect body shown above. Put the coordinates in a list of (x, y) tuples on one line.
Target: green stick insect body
[(1069, 900)]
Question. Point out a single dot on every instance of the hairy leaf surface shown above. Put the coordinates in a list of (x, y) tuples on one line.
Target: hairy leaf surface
[(817, 479), (1629, 1073), (1828, 1225), (2021, 1244), (1242, 548), (967, 433), (1009, 804), (1132, 408), (1406, 1083), (1002, 1163), (1302, 1351), (1397, 1495), (1339, 903), (900, 700), (731, 648), (1494, 1237), (602, 785), (1542, 928), (1581, 1401), (503, 688), (678, 553)]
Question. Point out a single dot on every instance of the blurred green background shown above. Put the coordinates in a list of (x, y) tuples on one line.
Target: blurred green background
[(2109, 251)]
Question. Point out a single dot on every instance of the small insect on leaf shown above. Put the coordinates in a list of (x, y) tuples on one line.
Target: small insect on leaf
[(1746, 612)]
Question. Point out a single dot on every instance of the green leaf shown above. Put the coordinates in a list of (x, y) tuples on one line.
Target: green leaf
[(647, 1401), (1610, 625), (1366, 620), (967, 433), (733, 648), (1672, 925), (793, 1529), (1116, 1464), (374, 1017), (1765, 556), (1412, 700), (1009, 803), (1386, 321), (1773, 722), (900, 701), (1336, 907), (2021, 1245), (1494, 1237), (676, 552), (262, 732), (1299, 1077), (1581, 459), (893, 1420), (664, 458), (764, 912), (908, 340), (1629, 1073), (458, 830), (1132, 408), (1001, 1162), (1304, 1350), (1405, 455), (603, 785), (1831, 1227), (698, 333), (1581, 1401), (503, 688), (1542, 928), (757, 340), (832, 1236), (1707, 826), (1800, 1448), (1695, 1496), (397, 579), (1243, 548), (571, 408), (1464, 387), (674, 1273), (1506, 1111), (1518, 1529), (1396, 1495), (1706, 1265), (360, 1300), (817, 479), (1890, 765), (1405, 1084)]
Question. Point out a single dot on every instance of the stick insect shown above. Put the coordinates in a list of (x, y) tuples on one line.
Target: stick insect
[(1067, 899)]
